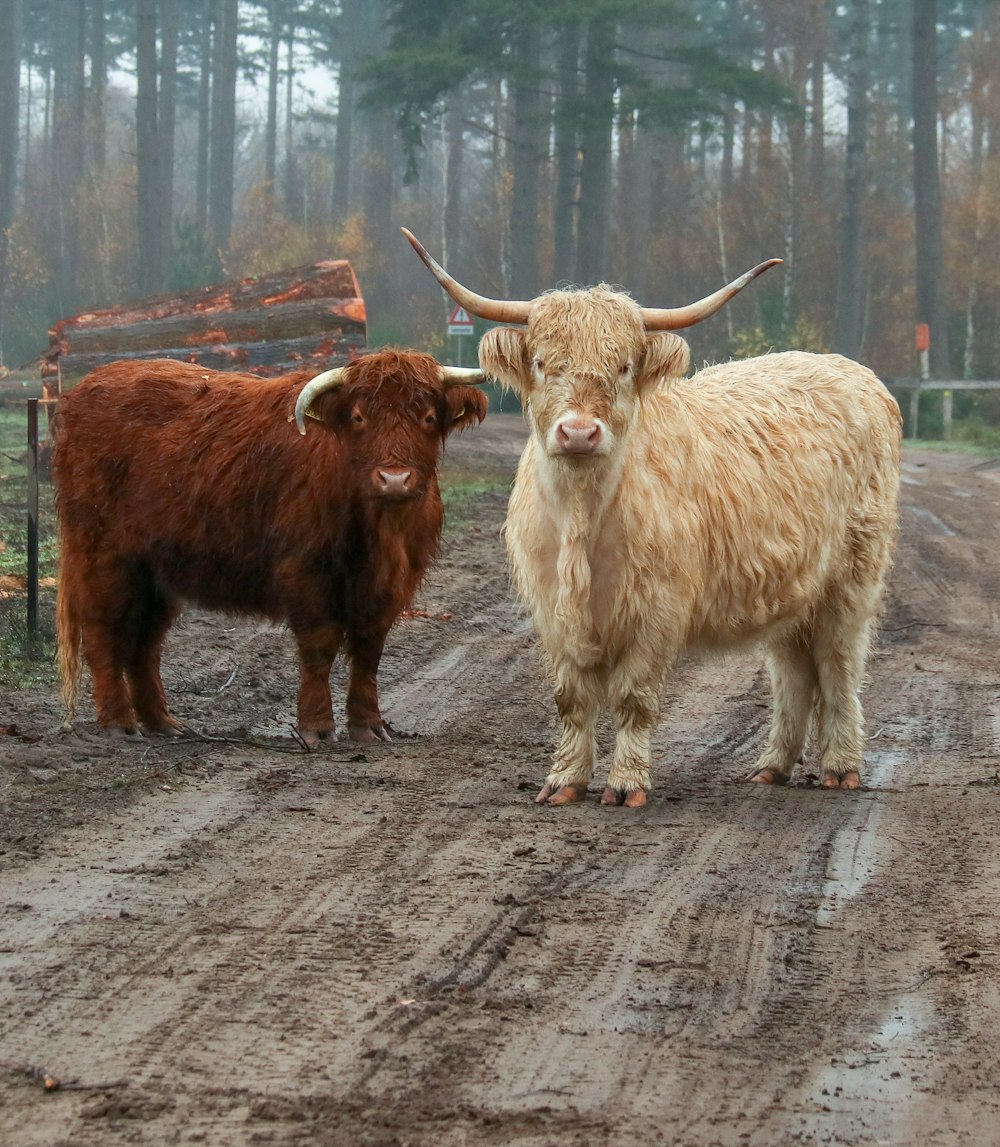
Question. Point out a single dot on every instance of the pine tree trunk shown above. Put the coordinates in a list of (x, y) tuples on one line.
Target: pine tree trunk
[(148, 155), (595, 167), (204, 117), (97, 99), (927, 184), (526, 148), (453, 181), (271, 128), (11, 13), (345, 187), (565, 207), (166, 113), (850, 268), (223, 119), (68, 103)]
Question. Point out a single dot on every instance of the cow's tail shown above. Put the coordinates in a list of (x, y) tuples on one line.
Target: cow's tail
[(69, 637)]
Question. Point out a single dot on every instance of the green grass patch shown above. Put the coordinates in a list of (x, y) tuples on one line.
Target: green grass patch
[(25, 659), (459, 492), (955, 446)]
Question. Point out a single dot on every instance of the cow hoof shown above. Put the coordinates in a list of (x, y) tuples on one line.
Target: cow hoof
[(166, 728), (312, 737), (369, 734), (561, 794), (768, 776), (637, 798), (850, 780), (132, 732)]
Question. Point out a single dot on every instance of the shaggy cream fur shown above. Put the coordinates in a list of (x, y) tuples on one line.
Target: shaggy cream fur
[(753, 500)]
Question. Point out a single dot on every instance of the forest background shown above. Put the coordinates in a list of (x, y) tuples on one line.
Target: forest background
[(663, 145)]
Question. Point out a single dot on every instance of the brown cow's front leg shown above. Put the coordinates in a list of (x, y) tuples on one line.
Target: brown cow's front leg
[(317, 650), (364, 717)]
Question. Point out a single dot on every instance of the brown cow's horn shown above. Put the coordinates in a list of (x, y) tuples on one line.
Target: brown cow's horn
[(312, 390), (461, 376), (674, 319), (497, 310)]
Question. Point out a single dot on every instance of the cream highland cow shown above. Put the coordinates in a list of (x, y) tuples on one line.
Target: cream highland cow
[(655, 513)]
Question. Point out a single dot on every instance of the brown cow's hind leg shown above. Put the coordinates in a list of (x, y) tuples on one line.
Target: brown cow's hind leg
[(111, 698), (143, 667)]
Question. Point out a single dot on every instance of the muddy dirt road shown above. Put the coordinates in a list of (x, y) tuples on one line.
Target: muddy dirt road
[(234, 942)]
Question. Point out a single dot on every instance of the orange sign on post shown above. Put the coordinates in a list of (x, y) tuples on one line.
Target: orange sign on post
[(923, 336)]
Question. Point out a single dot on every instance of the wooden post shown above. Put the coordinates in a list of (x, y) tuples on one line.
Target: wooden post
[(914, 410), (946, 414), (32, 518)]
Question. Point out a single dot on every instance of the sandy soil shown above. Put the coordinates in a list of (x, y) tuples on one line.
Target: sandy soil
[(230, 941)]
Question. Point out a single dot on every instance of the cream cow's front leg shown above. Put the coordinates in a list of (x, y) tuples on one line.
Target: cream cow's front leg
[(634, 699), (578, 702)]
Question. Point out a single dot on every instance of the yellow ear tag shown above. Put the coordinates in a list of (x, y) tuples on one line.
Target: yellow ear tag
[(459, 414), (311, 413)]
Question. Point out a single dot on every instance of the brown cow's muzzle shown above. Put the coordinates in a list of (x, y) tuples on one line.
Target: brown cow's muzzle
[(396, 483)]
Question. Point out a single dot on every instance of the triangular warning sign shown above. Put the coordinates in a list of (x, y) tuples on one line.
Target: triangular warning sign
[(460, 317)]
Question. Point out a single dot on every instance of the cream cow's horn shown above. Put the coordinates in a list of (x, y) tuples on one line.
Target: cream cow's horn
[(497, 310), (672, 319)]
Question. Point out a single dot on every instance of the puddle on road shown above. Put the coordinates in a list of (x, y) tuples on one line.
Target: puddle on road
[(855, 848), (867, 1088), (870, 1088), (929, 520)]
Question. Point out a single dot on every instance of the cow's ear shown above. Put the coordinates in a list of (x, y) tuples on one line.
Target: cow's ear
[(332, 408), (503, 355), (666, 356), (466, 406)]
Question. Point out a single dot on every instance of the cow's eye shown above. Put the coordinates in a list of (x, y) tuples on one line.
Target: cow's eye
[(357, 418), (430, 418), (626, 368), (539, 365)]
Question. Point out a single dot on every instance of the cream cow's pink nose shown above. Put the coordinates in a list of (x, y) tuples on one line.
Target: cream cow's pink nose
[(578, 435)]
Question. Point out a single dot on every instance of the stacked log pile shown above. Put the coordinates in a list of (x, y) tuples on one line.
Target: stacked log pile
[(311, 316)]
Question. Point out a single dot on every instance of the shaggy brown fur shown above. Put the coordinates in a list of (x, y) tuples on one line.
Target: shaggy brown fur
[(178, 484)]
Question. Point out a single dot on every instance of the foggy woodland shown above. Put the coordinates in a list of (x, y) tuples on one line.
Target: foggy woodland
[(662, 145)]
